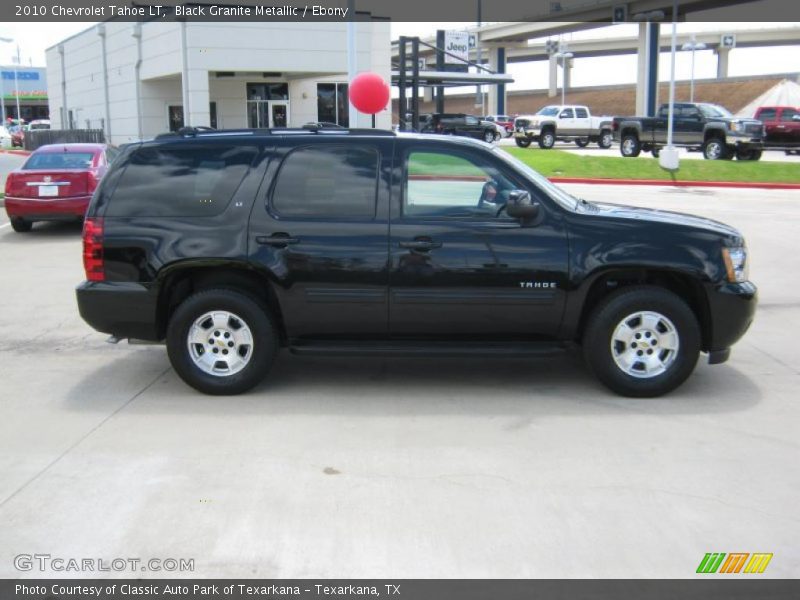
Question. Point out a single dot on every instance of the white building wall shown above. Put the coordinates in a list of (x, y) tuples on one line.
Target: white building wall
[(303, 53)]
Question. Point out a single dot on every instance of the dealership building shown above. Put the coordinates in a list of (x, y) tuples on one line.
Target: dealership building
[(135, 80)]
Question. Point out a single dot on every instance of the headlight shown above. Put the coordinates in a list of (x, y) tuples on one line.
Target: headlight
[(534, 124), (736, 126), (736, 264)]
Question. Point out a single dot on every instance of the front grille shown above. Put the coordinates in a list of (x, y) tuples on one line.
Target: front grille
[(754, 128), (522, 123)]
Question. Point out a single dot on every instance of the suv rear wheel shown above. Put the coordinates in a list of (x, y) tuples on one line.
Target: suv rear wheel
[(489, 136), (221, 341), (642, 341)]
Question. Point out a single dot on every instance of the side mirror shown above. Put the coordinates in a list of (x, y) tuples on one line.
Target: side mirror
[(520, 205), (795, 117), (563, 116)]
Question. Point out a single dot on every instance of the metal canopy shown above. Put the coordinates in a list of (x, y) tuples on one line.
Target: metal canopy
[(454, 78)]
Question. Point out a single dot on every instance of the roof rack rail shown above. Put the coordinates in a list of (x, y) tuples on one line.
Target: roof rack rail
[(194, 132)]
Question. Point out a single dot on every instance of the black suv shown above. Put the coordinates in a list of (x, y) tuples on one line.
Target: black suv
[(459, 124), (231, 245)]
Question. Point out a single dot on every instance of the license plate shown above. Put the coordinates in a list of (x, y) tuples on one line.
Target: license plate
[(48, 190)]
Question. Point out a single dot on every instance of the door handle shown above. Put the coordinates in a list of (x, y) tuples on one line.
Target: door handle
[(280, 240), (420, 245)]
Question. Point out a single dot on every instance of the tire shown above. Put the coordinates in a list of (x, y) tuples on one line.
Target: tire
[(20, 225), (488, 136), (715, 149), (669, 333), (229, 318), (656, 152), (630, 146), (748, 154), (523, 142), (606, 139), (547, 139), (581, 142)]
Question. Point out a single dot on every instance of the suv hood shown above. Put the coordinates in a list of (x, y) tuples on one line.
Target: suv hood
[(652, 215)]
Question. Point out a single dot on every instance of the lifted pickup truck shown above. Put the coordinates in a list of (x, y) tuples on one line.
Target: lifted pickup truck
[(564, 123), (782, 127), (699, 126)]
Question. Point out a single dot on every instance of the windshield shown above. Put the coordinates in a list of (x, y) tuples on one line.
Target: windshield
[(556, 193), (714, 110), (548, 111)]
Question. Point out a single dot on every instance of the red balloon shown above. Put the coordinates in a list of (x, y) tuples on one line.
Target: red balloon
[(369, 93)]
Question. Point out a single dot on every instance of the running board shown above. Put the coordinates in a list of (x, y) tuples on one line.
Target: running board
[(427, 349)]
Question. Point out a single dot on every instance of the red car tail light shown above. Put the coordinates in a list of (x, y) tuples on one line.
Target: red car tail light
[(93, 249), (92, 179), (13, 187)]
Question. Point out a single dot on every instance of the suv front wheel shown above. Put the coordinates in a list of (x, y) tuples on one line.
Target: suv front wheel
[(221, 341), (642, 341)]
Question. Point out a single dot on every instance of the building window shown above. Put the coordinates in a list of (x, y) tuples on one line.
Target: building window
[(175, 116), (332, 103), (267, 91)]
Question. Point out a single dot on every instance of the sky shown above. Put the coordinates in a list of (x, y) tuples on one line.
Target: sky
[(34, 38)]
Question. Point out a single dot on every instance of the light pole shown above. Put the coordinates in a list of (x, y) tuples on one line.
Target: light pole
[(693, 45), (564, 56), (2, 91)]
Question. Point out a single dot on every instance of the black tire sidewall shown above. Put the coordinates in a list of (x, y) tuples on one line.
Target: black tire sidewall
[(251, 311), (20, 225), (523, 142), (608, 314), (603, 144), (637, 146), (544, 145)]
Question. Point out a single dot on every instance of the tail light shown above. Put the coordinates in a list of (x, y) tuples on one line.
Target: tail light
[(93, 249), (614, 125), (92, 180), (13, 187)]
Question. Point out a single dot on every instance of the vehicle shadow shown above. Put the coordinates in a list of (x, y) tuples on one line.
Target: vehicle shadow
[(50, 230), (553, 386)]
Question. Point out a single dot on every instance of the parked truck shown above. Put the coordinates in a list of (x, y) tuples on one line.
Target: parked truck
[(563, 123), (781, 127), (697, 126)]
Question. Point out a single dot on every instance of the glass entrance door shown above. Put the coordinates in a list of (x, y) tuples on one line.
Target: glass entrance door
[(262, 114), (257, 113), (278, 113)]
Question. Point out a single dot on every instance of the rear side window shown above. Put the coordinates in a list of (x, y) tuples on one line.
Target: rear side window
[(194, 181), (788, 114), (768, 114), (581, 113), (59, 160), (327, 182)]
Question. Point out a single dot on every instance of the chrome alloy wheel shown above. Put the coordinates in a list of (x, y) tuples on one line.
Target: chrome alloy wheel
[(628, 146), (644, 344), (220, 343)]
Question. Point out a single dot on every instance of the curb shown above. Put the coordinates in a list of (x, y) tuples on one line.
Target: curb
[(670, 183)]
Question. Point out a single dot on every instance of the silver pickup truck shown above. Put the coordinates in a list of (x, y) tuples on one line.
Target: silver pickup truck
[(564, 123)]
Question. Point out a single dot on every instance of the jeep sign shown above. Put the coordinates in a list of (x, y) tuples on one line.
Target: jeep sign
[(456, 44)]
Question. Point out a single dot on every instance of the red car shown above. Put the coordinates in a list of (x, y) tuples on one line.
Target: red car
[(56, 183), (782, 126)]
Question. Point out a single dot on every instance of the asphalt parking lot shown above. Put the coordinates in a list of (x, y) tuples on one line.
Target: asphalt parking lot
[(399, 468)]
